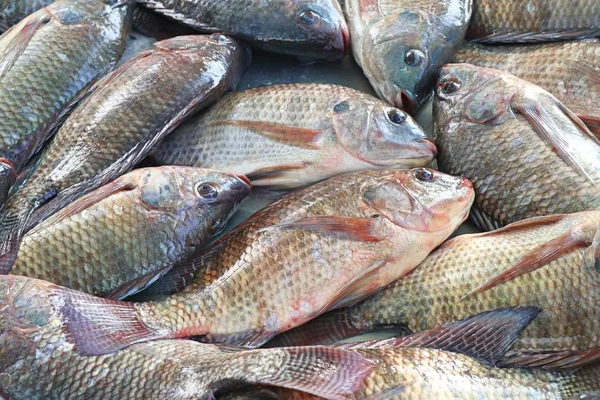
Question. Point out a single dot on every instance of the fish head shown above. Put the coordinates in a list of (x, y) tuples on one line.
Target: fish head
[(311, 29), (467, 94), (403, 59), (380, 135), (26, 303), (421, 199), (198, 198)]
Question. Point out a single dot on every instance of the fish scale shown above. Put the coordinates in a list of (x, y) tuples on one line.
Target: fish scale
[(13, 11)]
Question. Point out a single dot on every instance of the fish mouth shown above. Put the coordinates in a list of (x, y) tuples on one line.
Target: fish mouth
[(406, 101)]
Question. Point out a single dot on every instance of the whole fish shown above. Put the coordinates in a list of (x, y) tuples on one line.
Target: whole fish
[(316, 249), (38, 362), (568, 70), (546, 262), (155, 25), (293, 135), (129, 112), (50, 59), (438, 364), (401, 44), (121, 237), (533, 20), (525, 152), (13, 11), (308, 29)]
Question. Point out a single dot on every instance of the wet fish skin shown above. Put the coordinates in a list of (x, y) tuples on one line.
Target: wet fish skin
[(121, 237), (399, 47), (127, 115), (312, 30), (525, 152), (533, 21), (38, 362), (293, 135), (13, 11), (153, 24), (48, 59), (565, 69), (443, 289), (342, 239)]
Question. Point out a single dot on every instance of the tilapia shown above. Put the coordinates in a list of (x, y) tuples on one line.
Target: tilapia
[(38, 362), (155, 25), (317, 249), (547, 262), (293, 135), (50, 59), (121, 237), (401, 44), (526, 153), (130, 111), (309, 29), (568, 70), (533, 20), (13, 11)]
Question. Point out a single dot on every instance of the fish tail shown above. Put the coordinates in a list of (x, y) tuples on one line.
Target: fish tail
[(328, 328), (322, 371), (101, 326), (11, 229)]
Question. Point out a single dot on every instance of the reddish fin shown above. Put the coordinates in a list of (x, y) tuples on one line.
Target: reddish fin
[(273, 172), (351, 228), (135, 286), (19, 41), (545, 126), (486, 336), (529, 223), (593, 124), (551, 359), (537, 258), (99, 326), (86, 202), (291, 135)]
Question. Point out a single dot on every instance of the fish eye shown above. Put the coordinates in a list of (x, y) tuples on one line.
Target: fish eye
[(414, 57), (341, 107), (450, 86), (396, 116), (424, 174), (309, 17), (207, 190)]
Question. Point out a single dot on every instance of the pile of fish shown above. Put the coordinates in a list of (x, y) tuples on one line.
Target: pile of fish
[(169, 230)]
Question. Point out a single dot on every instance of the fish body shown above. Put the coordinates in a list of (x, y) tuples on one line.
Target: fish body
[(545, 262), (49, 59), (401, 44), (310, 29), (13, 11), (130, 111), (155, 25), (533, 21), (119, 238), (37, 361), (320, 248), (293, 135), (568, 70), (527, 154)]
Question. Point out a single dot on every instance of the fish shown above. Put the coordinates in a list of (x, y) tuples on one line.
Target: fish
[(136, 44), (118, 239), (569, 70), (454, 361), (153, 24), (401, 44), (130, 111), (13, 11), (292, 135), (546, 262), (48, 61), (8, 177), (38, 362), (512, 21), (320, 248), (312, 30), (526, 153)]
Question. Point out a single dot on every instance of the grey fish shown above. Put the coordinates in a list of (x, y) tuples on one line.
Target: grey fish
[(13, 11), (130, 111)]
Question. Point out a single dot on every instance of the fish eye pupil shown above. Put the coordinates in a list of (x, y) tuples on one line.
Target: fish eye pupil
[(424, 175), (396, 116), (207, 190), (450, 87), (414, 57), (309, 17)]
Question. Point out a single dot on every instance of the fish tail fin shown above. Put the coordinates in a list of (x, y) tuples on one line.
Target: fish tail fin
[(100, 326), (11, 229), (322, 371), (326, 329)]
